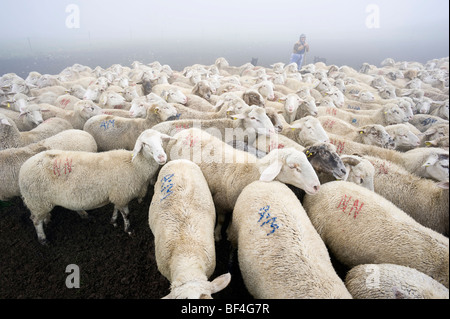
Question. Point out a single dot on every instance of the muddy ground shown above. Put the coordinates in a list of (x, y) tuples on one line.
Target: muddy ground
[(112, 264)]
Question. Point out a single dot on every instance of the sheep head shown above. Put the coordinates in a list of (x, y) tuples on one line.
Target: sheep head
[(198, 289), (375, 134), (292, 167), (150, 143), (324, 159)]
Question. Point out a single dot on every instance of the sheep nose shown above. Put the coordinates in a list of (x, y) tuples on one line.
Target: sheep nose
[(162, 158), (316, 188)]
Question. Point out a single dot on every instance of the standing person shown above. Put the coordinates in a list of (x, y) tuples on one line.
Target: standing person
[(300, 47)]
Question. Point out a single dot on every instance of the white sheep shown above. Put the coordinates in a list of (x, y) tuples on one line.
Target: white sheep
[(359, 171), (360, 227), (371, 134), (280, 254), (12, 137), (12, 159), (421, 198), (84, 180), (306, 131), (82, 111), (246, 125), (424, 121), (65, 101), (429, 162), (29, 117), (115, 132), (403, 136), (228, 170), (390, 281), (389, 114), (182, 218)]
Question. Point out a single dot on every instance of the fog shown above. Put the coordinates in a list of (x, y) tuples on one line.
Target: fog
[(48, 35)]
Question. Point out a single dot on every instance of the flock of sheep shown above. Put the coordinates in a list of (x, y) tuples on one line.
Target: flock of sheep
[(303, 163)]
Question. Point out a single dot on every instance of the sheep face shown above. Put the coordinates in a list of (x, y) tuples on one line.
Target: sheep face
[(253, 97), (394, 114), (387, 92), (436, 166), (336, 96), (366, 96), (291, 68), (277, 67), (404, 138), (77, 91), (309, 106), (376, 135), (92, 93), (275, 119), (165, 111), (32, 78), (324, 159), (265, 88), (292, 167), (20, 87), (257, 120), (46, 80), (150, 143), (174, 96), (102, 83), (202, 89), (130, 93), (359, 171), (423, 107), (139, 108), (437, 131), (31, 114), (113, 100), (327, 102), (324, 85), (199, 289), (309, 131), (87, 109)]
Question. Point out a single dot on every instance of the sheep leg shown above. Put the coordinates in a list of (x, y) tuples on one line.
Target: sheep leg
[(113, 220), (39, 226), (219, 224), (125, 212), (83, 214)]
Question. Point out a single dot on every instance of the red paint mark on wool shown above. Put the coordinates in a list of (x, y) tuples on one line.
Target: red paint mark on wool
[(356, 207), (62, 167)]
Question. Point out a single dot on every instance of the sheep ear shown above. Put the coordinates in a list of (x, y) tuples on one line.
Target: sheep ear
[(239, 116), (296, 125), (137, 149), (219, 103), (167, 137), (431, 160), (195, 89), (443, 185), (5, 122), (220, 283), (271, 171)]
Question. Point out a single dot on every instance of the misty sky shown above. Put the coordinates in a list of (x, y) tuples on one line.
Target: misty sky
[(337, 29)]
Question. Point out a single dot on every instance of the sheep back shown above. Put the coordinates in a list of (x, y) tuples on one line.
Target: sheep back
[(280, 253), (182, 218), (361, 227), (389, 281)]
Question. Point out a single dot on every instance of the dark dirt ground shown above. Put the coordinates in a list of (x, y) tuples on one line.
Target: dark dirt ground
[(112, 264)]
